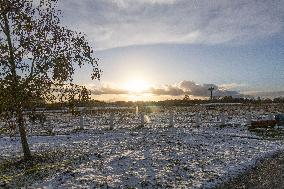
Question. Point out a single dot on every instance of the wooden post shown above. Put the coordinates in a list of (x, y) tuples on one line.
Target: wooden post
[(171, 119), (81, 122), (137, 111), (248, 119), (142, 119), (223, 121), (197, 119), (111, 121)]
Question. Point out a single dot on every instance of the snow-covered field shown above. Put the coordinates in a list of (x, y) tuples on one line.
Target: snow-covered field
[(155, 156)]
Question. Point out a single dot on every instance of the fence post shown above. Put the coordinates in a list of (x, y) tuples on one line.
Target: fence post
[(111, 121), (197, 119), (171, 119), (142, 121), (137, 111), (223, 121), (248, 119), (81, 121)]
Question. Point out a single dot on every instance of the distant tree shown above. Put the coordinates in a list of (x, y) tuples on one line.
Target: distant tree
[(267, 100), (186, 97), (84, 95), (37, 57), (258, 100), (227, 99), (278, 100)]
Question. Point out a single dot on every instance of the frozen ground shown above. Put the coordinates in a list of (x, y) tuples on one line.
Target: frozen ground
[(151, 157), (155, 156)]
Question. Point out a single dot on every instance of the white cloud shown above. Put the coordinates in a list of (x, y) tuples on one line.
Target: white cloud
[(228, 86), (127, 3), (117, 23)]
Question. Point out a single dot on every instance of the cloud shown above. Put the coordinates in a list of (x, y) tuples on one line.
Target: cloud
[(194, 89), (127, 3), (108, 90), (180, 89), (228, 86), (167, 90), (118, 23), (191, 88)]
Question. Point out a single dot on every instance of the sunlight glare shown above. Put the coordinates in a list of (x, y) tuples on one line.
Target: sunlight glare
[(136, 86)]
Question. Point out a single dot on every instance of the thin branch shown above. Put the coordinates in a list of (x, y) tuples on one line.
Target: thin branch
[(2, 27), (32, 68), (10, 46)]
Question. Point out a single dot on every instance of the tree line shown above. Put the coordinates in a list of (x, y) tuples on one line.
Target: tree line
[(87, 102)]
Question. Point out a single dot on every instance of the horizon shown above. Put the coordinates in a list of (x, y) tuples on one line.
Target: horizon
[(157, 50)]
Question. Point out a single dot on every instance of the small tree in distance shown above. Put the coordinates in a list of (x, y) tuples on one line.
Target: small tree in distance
[(186, 97), (37, 58), (84, 95)]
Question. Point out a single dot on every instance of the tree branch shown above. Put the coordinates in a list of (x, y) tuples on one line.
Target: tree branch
[(6, 30), (1, 25), (32, 68)]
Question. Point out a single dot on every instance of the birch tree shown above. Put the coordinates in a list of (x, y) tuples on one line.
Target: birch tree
[(38, 57)]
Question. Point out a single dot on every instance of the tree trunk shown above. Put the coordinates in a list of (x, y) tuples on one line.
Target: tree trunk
[(23, 134), (15, 89)]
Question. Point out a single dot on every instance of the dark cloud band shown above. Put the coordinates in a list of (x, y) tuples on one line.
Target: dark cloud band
[(184, 87)]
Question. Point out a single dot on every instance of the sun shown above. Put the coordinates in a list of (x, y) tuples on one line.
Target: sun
[(136, 86)]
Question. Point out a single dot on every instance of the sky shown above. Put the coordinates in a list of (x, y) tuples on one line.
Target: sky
[(164, 49)]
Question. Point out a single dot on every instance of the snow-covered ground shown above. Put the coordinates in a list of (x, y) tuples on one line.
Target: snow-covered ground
[(156, 156)]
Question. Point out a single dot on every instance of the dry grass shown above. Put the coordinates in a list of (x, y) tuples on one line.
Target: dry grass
[(268, 174)]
